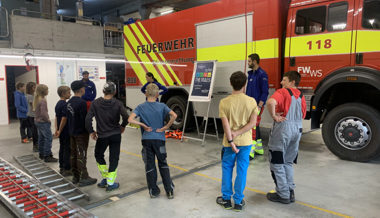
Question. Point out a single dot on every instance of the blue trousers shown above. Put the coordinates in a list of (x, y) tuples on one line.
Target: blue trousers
[(228, 163), (45, 138)]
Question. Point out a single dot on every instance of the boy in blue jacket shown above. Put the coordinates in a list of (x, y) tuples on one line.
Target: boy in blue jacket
[(21, 105)]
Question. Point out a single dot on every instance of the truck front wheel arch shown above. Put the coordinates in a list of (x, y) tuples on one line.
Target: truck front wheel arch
[(352, 132)]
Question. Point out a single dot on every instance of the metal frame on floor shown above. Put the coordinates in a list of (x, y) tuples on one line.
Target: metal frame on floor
[(27, 197)]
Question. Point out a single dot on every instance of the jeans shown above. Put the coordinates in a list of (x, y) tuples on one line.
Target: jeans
[(228, 164), (45, 138), (32, 130), (64, 151), (79, 146), (23, 127), (151, 150)]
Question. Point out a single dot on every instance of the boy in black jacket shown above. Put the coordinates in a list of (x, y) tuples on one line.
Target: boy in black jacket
[(76, 116), (107, 111)]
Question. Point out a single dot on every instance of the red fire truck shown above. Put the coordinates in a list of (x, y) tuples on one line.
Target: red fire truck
[(333, 44)]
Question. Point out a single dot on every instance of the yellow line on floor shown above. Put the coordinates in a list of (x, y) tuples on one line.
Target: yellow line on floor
[(250, 189)]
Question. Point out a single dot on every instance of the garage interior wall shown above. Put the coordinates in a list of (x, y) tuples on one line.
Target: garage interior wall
[(47, 74)]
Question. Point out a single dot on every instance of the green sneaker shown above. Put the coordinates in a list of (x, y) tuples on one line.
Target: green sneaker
[(252, 155)]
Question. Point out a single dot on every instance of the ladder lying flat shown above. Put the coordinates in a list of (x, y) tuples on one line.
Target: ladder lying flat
[(28, 197), (51, 178)]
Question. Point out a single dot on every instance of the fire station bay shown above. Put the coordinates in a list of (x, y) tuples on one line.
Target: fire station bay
[(189, 109)]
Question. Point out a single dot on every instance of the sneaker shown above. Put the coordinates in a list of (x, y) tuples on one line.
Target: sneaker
[(35, 148), (239, 207), (112, 187), (87, 181), (226, 204), (276, 198), (41, 157), (292, 197), (75, 180), (30, 139), (103, 183), (24, 141), (154, 195), (66, 173), (170, 195), (50, 159)]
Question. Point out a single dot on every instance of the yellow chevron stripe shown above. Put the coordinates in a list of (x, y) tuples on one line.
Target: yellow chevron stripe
[(153, 55), (368, 41), (236, 52), (161, 56), (143, 57), (130, 56)]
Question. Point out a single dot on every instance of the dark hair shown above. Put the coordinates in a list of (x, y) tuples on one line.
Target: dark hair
[(29, 88), (19, 85), (62, 90), (293, 76), (151, 75), (238, 80), (255, 56)]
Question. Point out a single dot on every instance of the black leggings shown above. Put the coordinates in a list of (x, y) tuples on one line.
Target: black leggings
[(101, 146)]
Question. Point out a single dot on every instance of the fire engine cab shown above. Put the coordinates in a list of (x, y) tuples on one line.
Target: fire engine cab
[(333, 44)]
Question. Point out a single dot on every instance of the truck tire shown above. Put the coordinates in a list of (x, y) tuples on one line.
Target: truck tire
[(178, 105), (352, 132)]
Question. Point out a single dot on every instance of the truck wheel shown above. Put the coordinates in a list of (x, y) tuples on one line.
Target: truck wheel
[(178, 105), (352, 132)]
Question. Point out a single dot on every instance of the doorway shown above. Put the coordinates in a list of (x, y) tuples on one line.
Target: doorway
[(116, 73), (15, 74)]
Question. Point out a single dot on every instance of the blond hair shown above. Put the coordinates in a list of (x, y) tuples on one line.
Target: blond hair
[(41, 92), (62, 90), (152, 90)]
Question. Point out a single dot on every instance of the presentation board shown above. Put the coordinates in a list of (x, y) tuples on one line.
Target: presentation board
[(203, 81)]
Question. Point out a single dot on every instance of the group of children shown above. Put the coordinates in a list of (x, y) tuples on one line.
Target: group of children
[(74, 126), (238, 113)]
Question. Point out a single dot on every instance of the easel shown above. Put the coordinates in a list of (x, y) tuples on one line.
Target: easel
[(197, 125), (201, 99)]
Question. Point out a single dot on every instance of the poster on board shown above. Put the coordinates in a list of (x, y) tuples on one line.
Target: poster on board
[(203, 81), (65, 73), (92, 70)]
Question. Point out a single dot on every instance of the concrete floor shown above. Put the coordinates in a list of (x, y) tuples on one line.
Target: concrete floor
[(326, 185)]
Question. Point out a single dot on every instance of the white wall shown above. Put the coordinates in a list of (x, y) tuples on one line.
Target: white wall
[(47, 75)]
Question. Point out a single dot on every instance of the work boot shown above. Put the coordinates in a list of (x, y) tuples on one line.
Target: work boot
[(239, 207), (112, 187), (259, 147), (103, 183), (226, 204), (87, 181), (276, 198), (252, 153), (292, 197), (50, 159)]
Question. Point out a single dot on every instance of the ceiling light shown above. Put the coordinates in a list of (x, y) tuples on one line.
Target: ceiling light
[(167, 12)]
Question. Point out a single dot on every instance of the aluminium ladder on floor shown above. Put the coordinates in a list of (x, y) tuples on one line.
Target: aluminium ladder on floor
[(51, 178), (28, 197)]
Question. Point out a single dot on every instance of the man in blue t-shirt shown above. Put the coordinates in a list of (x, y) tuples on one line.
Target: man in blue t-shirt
[(152, 115)]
